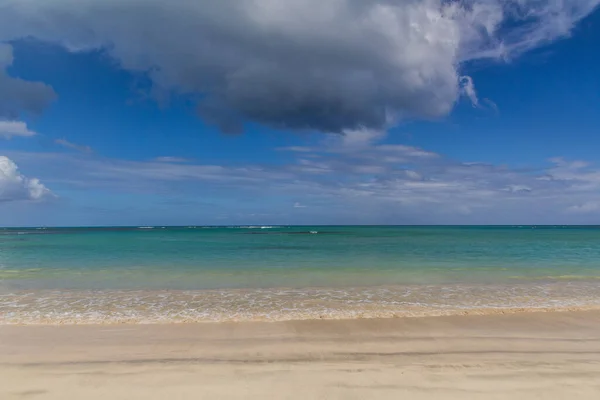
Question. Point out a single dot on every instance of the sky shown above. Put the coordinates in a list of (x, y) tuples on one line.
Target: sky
[(271, 112)]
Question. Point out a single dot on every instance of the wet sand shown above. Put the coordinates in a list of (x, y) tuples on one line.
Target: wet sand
[(518, 356)]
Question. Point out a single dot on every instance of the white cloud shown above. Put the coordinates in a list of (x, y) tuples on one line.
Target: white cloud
[(10, 129), (170, 159), (371, 183), (297, 149), (467, 88), (15, 187), (361, 137), (587, 207), (518, 188), (331, 66), (73, 146)]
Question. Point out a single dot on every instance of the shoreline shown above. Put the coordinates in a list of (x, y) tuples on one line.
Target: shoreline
[(422, 314), (548, 355), (114, 307)]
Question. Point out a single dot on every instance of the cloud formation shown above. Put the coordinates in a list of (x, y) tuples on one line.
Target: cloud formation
[(10, 129), (18, 95), (15, 187), (298, 64), (467, 88), (170, 159), (341, 181), (73, 146)]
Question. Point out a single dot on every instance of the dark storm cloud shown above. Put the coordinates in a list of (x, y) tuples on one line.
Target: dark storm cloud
[(17, 95), (327, 65)]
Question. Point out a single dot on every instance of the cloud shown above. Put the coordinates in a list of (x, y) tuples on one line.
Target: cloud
[(330, 66), (70, 145), (542, 21), (467, 88), (169, 159), (491, 105), (18, 95), (360, 137), (587, 207), (371, 183), (15, 187), (10, 129)]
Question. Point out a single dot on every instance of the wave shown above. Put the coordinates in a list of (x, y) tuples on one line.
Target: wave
[(172, 306), (256, 227)]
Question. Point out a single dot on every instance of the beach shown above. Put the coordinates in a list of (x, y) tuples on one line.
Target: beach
[(553, 355), (258, 312), (160, 275)]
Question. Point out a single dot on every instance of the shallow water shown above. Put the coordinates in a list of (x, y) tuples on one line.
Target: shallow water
[(89, 275)]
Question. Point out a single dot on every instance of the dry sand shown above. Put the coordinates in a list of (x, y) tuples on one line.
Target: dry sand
[(521, 356)]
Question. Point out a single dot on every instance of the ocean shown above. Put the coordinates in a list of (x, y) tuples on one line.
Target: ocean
[(242, 273)]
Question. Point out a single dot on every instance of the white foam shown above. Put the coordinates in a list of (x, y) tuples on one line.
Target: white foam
[(91, 307)]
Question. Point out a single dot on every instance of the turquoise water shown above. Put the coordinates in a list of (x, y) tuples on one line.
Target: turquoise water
[(52, 273)]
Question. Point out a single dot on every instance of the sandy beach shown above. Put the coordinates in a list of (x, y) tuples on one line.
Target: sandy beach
[(519, 356)]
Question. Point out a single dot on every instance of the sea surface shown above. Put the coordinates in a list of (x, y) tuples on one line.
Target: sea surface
[(196, 274)]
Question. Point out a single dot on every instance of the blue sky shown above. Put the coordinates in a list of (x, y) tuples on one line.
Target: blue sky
[(299, 112)]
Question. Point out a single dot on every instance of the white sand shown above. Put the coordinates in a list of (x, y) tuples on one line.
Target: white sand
[(521, 356)]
